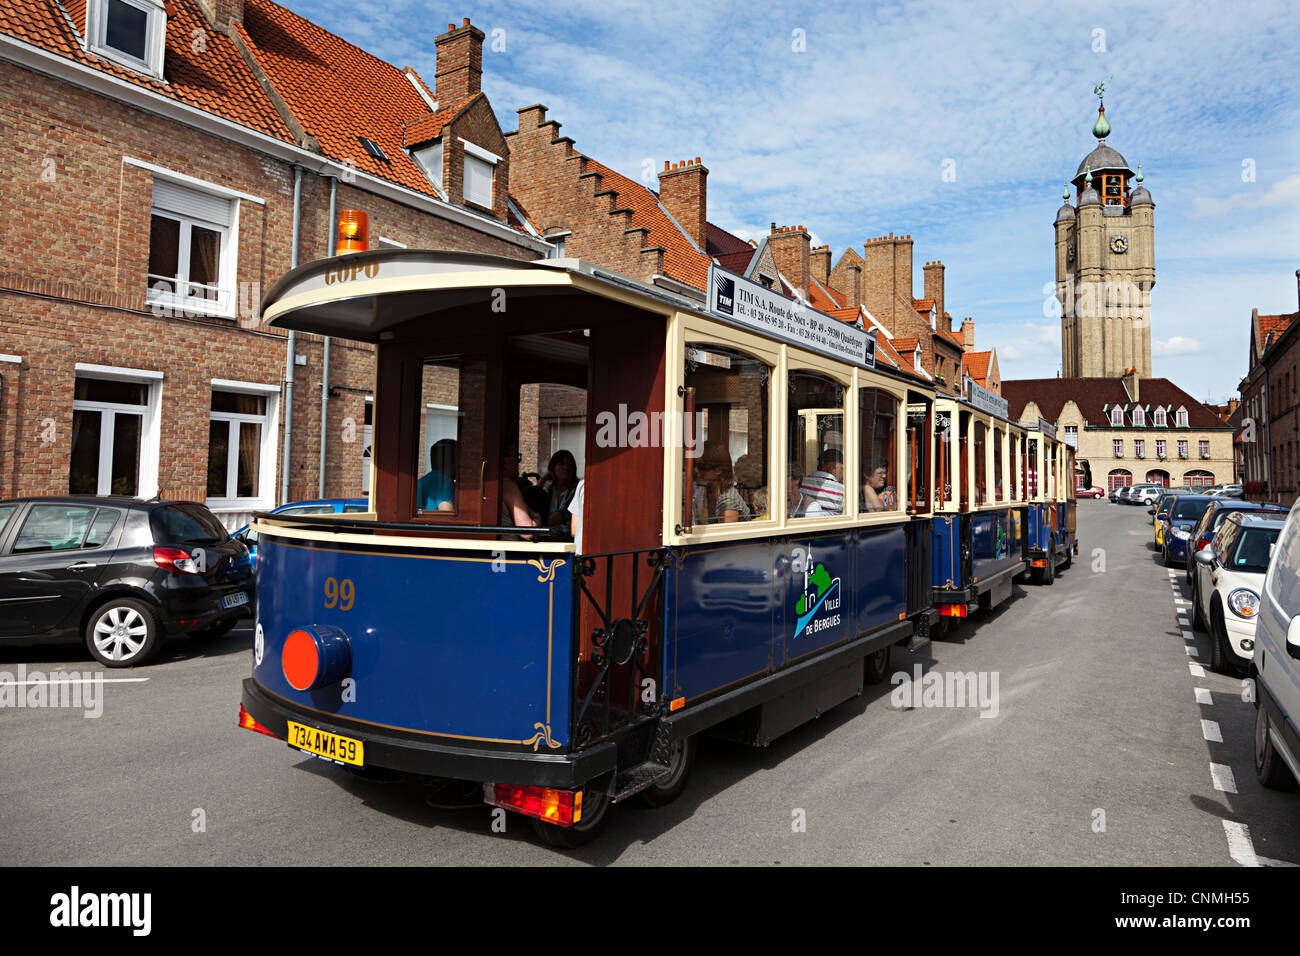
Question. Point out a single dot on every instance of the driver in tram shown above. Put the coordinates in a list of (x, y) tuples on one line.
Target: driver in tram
[(436, 491)]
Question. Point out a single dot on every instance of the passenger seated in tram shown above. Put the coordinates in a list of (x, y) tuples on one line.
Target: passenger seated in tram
[(563, 471), (720, 501), (749, 482), (823, 491), (877, 493), (514, 510), (436, 491), (794, 477)]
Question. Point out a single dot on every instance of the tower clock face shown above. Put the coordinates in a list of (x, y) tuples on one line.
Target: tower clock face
[(1119, 245)]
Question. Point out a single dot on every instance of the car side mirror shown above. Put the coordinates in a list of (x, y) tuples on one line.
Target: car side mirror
[(1206, 557), (1293, 638)]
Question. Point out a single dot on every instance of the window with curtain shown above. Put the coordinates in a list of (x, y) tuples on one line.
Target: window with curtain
[(237, 428), (190, 253)]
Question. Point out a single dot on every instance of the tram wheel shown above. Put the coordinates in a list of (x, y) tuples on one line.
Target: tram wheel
[(1069, 558), (665, 791), (1049, 569), (877, 666), (595, 815)]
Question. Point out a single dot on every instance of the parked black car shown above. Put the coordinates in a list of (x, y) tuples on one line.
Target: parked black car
[(119, 573)]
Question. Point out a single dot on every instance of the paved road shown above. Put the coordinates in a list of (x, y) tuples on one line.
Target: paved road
[(1097, 755)]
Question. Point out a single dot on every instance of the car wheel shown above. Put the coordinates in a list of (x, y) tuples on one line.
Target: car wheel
[(1220, 653), (123, 632), (596, 805), (1165, 555), (876, 666), (670, 787), (1198, 619), (1269, 768)]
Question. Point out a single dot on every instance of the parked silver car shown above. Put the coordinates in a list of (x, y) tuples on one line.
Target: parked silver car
[(1276, 664)]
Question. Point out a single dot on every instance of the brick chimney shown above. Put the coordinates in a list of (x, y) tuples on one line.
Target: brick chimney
[(887, 277), (791, 250), (819, 261), (968, 334), (934, 290), (683, 190), (460, 63), (1130, 379), (849, 281), (222, 13)]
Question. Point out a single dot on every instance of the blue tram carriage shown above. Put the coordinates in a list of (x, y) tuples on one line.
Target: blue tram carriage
[(713, 583), (980, 497), (1051, 514)]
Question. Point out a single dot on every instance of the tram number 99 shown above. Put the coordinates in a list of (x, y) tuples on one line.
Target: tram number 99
[(340, 594)]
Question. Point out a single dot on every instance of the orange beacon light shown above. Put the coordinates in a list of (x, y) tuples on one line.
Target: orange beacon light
[(354, 232)]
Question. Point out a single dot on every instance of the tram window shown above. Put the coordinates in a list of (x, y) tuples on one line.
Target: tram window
[(1031, 469), (450, 454), (552, 428), (981, 463), (725, 476), (815, 443), (1050, 468), (916, 486), (943, 458), (877, 446), (999, 479)]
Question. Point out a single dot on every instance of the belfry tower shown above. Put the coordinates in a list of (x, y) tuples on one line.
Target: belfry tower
[(1105, 265)]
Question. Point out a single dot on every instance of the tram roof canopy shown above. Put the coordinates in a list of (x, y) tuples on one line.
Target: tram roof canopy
[(364, 294)]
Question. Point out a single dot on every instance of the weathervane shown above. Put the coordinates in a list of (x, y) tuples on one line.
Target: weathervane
[(1099, 91)]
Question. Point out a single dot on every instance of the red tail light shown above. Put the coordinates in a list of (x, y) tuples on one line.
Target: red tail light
[(175, 559), (562, 807), (247, 722), (953, 610)]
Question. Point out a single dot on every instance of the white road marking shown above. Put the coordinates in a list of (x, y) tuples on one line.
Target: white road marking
[(1196, 669), (1188, 636), (1223, 779), (1210, 731), (1240, 847), (1203, 696), (1183, 601), (1265, 861), (76, 680), (1191, 651)]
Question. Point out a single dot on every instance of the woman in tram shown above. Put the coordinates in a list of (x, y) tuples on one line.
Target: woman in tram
[(722, 502), (877, 494), (563, 469)]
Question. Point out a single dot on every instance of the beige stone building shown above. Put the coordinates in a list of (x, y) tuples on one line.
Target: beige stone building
[(1129, 429), (1105, 266)]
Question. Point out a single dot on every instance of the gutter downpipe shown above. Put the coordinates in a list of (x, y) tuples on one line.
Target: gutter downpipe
[(291, 347), (325, 373)]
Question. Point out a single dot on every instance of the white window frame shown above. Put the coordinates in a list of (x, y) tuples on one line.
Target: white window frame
[(385, 243), (169, 301), (487, 158), (1139, 448), (150, 437), (1181, 418), (1117, 447), (1182, 448), (1203, 447), (1160, 448), (264, 500), (1139, 416), (96, 37), (1161, 419), (1117, 416)]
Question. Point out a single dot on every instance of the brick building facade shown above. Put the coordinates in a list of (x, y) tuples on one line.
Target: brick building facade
[(156, 198), (1269, 430)]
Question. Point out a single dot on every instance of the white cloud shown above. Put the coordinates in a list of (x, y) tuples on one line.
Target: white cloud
[(1283, 192), (1177, 345)]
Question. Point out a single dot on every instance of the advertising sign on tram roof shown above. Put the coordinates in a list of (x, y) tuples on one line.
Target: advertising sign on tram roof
[(986, 401), (750, 305)]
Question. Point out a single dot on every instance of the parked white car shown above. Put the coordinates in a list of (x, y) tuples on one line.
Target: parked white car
[(1230, 575), (1277, 664)]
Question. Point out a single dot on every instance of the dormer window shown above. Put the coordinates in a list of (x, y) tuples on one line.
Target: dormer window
[(1139, 416), (129, 32), (916, 357), (429, 159), (1182, 417), (1161, 421), (1117, 416), (480, 171)]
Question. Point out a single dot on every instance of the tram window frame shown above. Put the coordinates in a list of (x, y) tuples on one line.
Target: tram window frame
[(716, 341), (979, 461), (850, 491), (1035, 472), (947, 478), (920, 459), (895, 468), (467, 498), (999, 483)]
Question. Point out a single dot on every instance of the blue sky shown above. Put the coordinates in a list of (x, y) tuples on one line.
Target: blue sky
[(843, 117)]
